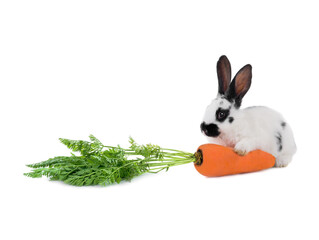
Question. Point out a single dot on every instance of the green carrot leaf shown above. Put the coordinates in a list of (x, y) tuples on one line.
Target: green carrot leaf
[(105, 165)]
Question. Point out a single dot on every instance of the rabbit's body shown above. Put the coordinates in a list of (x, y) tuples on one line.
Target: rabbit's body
[(246, 129), (260, 128)]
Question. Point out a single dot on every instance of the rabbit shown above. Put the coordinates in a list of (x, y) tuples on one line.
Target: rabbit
[(246, 129)]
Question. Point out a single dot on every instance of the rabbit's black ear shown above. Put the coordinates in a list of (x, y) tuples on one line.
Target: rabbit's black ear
[(224, 74), (240, 85)]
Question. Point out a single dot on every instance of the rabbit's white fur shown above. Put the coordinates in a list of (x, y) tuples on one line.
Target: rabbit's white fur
[(251, 128)]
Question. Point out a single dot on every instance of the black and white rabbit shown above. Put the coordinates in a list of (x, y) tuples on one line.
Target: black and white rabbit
[(246, 129)]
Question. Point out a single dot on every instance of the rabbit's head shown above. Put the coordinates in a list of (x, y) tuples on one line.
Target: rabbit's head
[(220, 113)]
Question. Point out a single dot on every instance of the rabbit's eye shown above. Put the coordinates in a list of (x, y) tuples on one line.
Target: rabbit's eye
[(222, 114)]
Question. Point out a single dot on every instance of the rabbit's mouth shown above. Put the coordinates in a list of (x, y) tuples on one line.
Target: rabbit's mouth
[(210, 130)]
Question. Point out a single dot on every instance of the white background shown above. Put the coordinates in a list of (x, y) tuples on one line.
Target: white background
[(148, 69)]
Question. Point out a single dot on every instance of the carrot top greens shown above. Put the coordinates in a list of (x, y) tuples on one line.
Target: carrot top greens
[(105, 165)]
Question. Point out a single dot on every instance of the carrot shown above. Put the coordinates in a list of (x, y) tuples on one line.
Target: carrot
[(215, 160), (105, 165)]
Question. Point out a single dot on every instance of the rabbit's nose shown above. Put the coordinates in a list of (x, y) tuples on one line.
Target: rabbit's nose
[(210, 130), (203, 128)]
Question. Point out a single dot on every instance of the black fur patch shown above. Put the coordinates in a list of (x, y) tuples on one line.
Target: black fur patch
[(231, 97), (230, 119), (210, 130), (279, 141), (283, 124), (221, 114)]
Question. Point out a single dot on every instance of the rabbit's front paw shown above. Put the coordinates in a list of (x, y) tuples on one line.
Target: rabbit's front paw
[(240, 152), (242, 148)]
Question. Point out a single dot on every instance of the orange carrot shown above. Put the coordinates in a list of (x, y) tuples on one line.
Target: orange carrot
[(104, 165), (216, 160)]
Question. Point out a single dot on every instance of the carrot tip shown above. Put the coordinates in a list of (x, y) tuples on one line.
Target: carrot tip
[(199, 157)]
